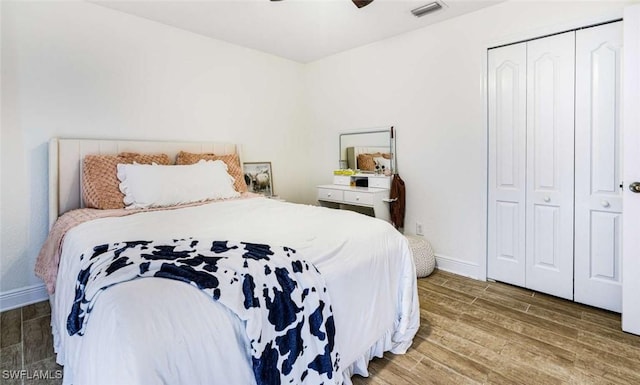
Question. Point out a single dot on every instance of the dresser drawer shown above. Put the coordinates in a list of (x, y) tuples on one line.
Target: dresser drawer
[(326, 194), (358, 198), (342, 180), (380, 182)]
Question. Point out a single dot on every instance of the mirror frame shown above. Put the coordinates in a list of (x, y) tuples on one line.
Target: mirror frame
[(342, 162)]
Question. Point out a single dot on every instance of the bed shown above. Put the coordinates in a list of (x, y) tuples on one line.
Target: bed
[(163, 331)]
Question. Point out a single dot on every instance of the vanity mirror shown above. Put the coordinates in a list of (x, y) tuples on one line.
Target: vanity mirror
[(368, 150)]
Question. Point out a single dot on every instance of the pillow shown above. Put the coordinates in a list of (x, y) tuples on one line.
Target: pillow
[(232, 161), (381, 161), (146, 185), (100, 182), (366, 162)]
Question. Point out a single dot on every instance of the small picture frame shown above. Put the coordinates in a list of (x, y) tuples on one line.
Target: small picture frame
[(258, 177)]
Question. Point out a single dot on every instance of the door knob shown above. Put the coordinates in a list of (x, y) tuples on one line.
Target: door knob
[(635, 187)]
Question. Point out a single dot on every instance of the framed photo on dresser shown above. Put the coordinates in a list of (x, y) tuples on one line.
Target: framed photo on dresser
[(258, 177)]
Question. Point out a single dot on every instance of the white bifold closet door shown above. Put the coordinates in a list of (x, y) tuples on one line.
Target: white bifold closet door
[(507, 85), (555, 203), (531, 129), (598, 173), (550, 167)]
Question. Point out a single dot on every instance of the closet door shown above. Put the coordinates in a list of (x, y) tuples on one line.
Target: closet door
[(549, 192), (598, 196), (507, 68)]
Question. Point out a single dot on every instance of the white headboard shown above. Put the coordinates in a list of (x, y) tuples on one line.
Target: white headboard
[(66, 155)]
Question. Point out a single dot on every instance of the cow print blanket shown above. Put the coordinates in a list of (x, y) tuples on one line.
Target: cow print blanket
[(282, 298)]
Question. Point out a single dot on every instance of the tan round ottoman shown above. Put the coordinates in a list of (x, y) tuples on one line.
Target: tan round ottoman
[(422, 255)]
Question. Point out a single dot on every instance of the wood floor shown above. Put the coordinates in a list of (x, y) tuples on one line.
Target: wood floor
[(490, 333), (471, 333), (26, 344)]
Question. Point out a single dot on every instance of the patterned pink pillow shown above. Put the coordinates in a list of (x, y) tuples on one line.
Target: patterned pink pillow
[(100, 184), (366, 162)]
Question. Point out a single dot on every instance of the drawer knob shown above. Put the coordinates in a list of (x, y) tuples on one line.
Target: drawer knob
[(357, 198), (547, 199), (605, 203), (328, 194)]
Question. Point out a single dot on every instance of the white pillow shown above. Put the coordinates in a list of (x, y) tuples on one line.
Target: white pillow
[(145, 185), (380, 161)]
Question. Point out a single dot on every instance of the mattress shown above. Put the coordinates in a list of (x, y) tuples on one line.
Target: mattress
[(158, 331)]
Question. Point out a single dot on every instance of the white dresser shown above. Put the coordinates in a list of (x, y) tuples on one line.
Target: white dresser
[(367, 193)]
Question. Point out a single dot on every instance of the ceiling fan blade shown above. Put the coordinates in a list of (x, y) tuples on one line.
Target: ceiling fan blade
[(362, 3)]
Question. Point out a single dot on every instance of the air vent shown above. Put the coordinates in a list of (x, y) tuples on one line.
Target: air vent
[(428, 8)]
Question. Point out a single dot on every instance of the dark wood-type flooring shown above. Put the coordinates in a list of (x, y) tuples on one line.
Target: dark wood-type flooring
[(471, 332), (476, 332), (26, 344)]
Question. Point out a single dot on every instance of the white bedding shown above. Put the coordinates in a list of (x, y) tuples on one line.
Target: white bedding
[(153, 331)]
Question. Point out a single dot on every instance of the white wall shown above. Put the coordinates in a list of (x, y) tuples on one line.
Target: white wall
[(429, 85), (75, 69)]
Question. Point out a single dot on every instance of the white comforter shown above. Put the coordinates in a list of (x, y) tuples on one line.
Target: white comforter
[(158, 331)]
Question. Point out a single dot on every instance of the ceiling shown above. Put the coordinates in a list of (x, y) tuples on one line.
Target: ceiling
[(300, 30)]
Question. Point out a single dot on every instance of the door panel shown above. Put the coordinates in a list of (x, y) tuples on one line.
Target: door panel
[(507, 109), (550, 163), (544, 123), (598, 196), (507, 225), (545, 241), (604, 253)]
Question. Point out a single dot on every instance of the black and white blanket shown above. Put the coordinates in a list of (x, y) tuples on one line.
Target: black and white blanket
[(282, 298)]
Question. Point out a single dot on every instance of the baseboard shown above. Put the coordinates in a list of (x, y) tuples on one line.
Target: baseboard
[(457, 266), (23, 296)]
